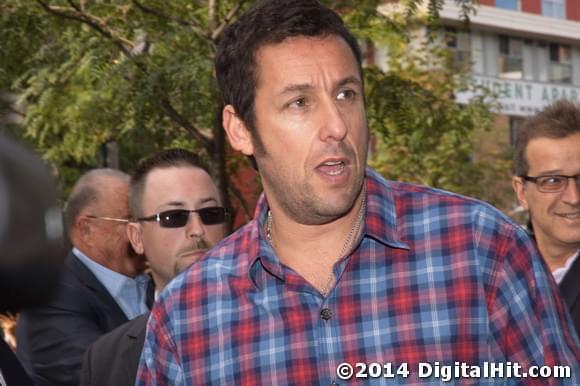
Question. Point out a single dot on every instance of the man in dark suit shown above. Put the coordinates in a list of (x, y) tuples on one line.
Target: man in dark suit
[(547, 183), (30, 242), (101, 287), (177, 215)]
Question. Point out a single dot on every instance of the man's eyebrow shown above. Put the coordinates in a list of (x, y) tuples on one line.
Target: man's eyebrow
[(550, 172), (199, 202), (174, 203), (307, 86), (206, 200), (349, 80), (295, 88)]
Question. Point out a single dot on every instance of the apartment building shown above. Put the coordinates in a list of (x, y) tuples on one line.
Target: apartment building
[(527, 51)]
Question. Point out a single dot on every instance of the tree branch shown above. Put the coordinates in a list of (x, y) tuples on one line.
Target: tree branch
[(73, 5), (212, 14), (75, 13), (240, 197), (229, 17), (192, 24), (180, 120), (15, 111)]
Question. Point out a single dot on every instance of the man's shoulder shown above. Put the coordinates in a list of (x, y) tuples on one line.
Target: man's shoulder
[(413, 197), (77, 292), (231, 257), (232, 252), (414, 204), (113, 358), (114, 338)]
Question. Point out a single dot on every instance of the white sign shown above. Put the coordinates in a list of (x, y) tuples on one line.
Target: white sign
[(520, 97)]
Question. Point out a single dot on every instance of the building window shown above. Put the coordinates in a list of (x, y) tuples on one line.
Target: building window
[(560, 63), (515, 125), (460, 43), (508, 4), (554, 8), (509, 62)]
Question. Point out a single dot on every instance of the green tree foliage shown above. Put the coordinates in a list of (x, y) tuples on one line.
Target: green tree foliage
[(420, 133), (139, 73), (427, 137), (136, 73)]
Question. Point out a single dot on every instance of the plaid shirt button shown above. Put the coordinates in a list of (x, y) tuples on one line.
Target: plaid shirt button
[(326, 314)]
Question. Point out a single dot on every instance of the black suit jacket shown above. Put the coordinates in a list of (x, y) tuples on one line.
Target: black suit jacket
[(113, 359), (12, 371), (52, 339), (570, 290)]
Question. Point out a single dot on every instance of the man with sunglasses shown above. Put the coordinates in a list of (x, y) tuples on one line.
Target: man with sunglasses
[(101, 287), (547, 184), (177, 215)]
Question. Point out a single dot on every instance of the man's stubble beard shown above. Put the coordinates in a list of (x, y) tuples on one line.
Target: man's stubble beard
[(301, 203), (199, 243)]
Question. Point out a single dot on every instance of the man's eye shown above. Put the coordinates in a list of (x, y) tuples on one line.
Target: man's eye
[(552, 180), (346, 95), (298, 103)]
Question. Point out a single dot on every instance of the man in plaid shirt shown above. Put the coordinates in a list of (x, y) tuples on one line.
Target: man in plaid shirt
[(342, 274)]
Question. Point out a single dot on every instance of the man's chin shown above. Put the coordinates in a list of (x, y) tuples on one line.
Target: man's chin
[(323, 211)]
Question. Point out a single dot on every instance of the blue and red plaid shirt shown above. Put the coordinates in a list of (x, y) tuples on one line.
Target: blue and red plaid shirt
[(436, 277)]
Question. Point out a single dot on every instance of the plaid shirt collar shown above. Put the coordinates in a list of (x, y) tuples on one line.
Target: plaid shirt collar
[(380, 224)]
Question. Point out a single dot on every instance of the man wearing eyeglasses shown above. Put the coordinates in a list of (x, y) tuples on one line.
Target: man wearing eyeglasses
[(101, 287), (177, 216), (547, 184)]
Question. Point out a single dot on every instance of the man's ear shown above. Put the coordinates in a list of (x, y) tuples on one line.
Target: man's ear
[(135, 237), (82, 229), (238, 134), (520, 189)]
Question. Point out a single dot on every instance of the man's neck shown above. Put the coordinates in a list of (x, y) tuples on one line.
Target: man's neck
[(312, 250), (114, 263), (557, 255)]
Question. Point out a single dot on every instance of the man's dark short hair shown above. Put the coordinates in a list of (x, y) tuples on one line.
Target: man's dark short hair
[(556, 121), (269, 22), (164, 159)]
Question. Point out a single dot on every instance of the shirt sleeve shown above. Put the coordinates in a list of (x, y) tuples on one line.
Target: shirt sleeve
[(159, 363), (528, 319)]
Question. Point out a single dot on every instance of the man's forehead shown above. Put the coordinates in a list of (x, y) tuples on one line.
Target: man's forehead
[(552, 154), (299, 50), (179, 183)]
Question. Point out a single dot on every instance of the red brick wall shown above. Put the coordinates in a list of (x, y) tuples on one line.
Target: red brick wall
[(573, 10), (487, 2), (533, 6)]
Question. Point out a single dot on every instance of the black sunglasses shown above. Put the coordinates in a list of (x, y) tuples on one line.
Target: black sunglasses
[(177, 218)]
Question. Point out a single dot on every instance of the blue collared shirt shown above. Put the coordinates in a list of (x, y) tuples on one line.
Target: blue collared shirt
[(129, 293)]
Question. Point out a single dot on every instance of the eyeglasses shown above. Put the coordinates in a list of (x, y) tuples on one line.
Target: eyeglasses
[(178, 218), (106, 218), (552, 184)]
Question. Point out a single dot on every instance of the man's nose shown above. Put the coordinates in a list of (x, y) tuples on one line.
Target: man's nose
[(334, 125), (571, 195), (194, 226)]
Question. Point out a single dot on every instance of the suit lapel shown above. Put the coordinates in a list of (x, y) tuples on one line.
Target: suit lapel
[(570, 285), (87, 278)]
